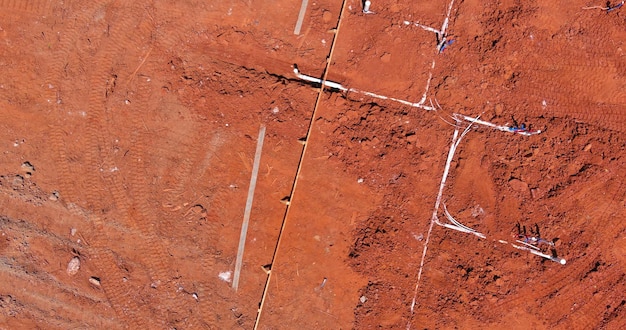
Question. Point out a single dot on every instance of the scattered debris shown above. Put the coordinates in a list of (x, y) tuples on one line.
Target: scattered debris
[(444, 44), (225, 276), (477, 211), (520, 128), (608, 7), (533, 238)]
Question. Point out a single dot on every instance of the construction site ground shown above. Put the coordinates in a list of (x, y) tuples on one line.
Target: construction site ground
[(130, 134)]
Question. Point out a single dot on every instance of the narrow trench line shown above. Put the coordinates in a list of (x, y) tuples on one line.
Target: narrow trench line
[(299, 168)]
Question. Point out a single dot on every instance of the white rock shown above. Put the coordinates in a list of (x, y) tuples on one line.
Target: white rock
[(225, 276), (94, 281), (73, 266)]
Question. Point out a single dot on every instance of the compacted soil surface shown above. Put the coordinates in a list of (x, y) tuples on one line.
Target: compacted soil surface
[(181, 165)]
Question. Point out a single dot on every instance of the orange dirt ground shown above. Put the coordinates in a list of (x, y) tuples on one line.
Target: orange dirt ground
[(128, 132)]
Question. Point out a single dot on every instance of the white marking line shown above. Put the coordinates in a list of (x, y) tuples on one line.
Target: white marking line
[(444, 27), (433, 219), (296, 31), (440, 33), (425, 27), (456, 140), (494, 126), (340, 87), (246, 215)]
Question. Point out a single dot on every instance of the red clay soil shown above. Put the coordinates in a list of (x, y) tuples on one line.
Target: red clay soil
[(128, 136)]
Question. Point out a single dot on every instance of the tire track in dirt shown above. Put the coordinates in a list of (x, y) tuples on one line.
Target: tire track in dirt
[(39, 7), (120, 40), (556, 290), (116, 187), (69, 296), (107, 267), (607, 115), (44, 290), (65, 180), (145, 216), (56, 313), (588, 89), (53, 95), (116, 289), (185, 177), (137, 213), (595, 299), (26, 205), (181, 164)]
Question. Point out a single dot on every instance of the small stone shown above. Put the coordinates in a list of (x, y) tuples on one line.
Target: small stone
[(499, 109), (94, 280), (352, 115), (386, 58), (18, 182), (587, 147), (28, 168), (327, 16), (537, 193), (519, 186), (73, 266), (363, 299)]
